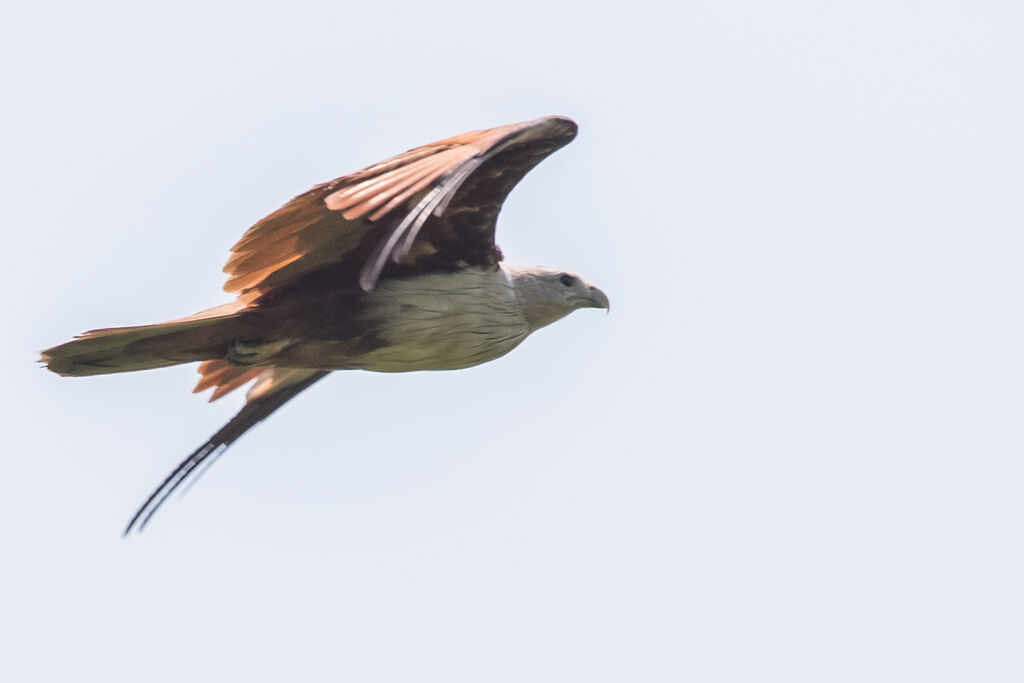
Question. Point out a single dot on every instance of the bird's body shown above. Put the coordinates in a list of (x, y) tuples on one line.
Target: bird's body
[(391, 269), (480, 319)]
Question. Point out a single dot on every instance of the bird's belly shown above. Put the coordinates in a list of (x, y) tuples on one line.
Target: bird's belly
[(443, 322), (445, 342)]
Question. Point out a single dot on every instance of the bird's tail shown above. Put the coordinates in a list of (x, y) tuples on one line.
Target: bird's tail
[(199, 337)]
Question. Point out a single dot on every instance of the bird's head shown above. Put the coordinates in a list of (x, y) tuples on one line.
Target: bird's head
[(549, 294)]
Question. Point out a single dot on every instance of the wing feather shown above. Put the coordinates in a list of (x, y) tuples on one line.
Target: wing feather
[(357, 200), (276, 387), (358, 222)]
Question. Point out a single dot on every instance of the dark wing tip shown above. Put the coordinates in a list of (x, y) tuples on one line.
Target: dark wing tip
[(559, 126), (556, 130)]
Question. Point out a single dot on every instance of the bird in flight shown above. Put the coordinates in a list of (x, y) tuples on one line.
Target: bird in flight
[(393, 268)]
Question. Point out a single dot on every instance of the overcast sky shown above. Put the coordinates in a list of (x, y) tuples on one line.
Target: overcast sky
[(792, 451)]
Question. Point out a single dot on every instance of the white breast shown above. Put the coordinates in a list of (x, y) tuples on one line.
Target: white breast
[(444, 321)]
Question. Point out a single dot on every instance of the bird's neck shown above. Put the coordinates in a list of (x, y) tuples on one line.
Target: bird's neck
[(539, 309)]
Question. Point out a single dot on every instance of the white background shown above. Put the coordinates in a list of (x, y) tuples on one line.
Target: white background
[(792, 452)]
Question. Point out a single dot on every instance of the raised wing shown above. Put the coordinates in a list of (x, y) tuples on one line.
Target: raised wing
[(274, 387), (431, 208)]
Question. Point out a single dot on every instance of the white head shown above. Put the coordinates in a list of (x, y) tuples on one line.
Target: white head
[(549, 294)]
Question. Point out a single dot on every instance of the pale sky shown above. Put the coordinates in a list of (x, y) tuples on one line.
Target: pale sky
[(792, 451)]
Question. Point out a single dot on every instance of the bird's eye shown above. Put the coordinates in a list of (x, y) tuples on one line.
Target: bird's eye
[(567, 280)]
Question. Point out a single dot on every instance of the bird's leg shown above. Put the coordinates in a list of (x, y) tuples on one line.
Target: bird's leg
[(254, 352)]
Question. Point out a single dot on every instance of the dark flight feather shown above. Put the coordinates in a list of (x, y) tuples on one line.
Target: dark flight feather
[(252, 413)]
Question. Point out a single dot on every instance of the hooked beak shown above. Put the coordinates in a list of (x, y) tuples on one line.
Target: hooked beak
[(597, 299)]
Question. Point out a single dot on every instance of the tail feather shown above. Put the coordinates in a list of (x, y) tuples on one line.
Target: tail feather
[(124, 349)]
